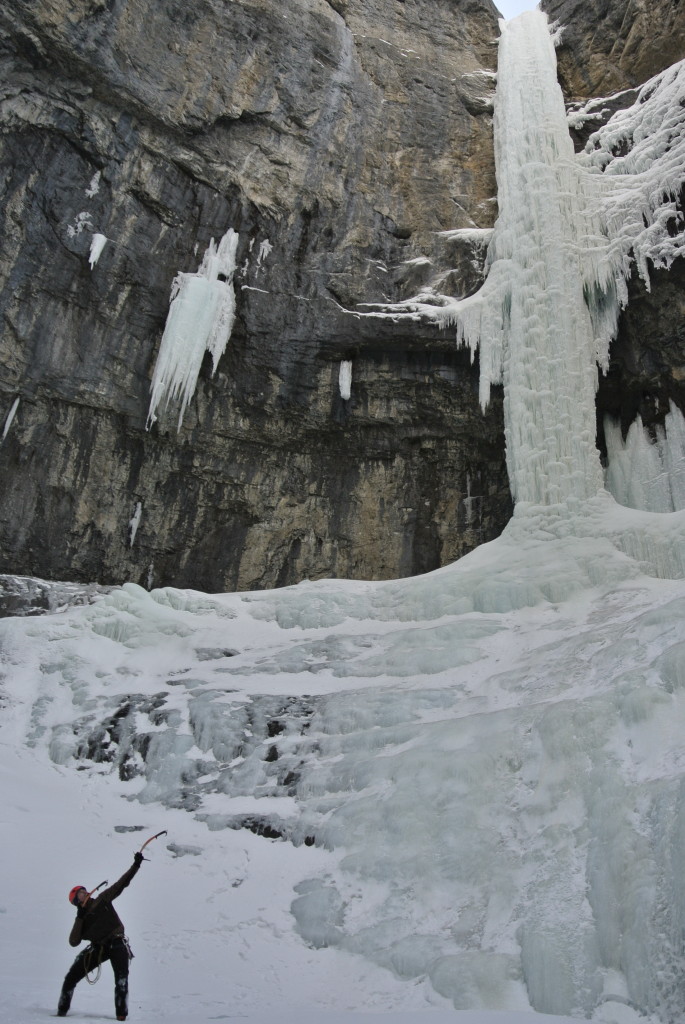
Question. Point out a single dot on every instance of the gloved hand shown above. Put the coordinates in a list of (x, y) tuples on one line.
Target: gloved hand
[(138, 859), (81, 912)]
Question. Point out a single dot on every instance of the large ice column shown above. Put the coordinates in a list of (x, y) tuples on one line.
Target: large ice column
[(200, 320), (568, 232), (530, 319)]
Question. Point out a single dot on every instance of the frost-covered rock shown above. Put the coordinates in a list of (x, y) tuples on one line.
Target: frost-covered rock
[(25, 595)]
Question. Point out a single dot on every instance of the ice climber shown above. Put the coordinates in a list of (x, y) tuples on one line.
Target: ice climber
[(99, 924)]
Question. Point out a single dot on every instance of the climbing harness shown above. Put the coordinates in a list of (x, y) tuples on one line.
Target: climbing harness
[(88, 965), (93, 950)]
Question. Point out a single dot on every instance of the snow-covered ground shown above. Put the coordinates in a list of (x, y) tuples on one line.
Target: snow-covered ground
[(476, 775), (212, 933)]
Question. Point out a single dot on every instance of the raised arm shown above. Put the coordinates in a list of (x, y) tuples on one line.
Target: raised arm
[(118, 887)]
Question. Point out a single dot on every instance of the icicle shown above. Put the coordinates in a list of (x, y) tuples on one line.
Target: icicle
[(345, 380), (468, 501), (96, 246), (10, 417), (94, 186), (200, 320), (643, 473), (638, 189), (134, 522), (569, 229), (264, 249), (82, 222)]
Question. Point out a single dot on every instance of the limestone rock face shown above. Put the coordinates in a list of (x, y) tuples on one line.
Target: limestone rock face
[(615, 44), (338, 139)]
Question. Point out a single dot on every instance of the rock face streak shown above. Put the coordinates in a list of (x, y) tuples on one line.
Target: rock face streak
[(342, 141)]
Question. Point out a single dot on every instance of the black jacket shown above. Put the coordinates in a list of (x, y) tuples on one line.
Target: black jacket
[(98, 921)]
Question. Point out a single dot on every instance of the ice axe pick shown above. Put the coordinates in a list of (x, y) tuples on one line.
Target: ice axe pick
[(147, 841)]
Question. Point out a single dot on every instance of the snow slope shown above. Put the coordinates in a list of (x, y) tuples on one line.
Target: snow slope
[(474, 781)]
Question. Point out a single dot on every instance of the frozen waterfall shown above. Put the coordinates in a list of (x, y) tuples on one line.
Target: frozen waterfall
[(530, 319), (559, 255), (473, 780), (570, 229)]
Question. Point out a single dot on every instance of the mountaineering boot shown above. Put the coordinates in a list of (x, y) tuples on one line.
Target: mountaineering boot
[(64, 1003), (121, 994)]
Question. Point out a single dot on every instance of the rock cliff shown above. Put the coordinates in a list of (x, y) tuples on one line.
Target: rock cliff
[(343, 141), (613, 45), (338, 139)]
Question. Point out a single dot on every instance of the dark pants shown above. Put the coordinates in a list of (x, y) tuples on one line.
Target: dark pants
[(116, 951)]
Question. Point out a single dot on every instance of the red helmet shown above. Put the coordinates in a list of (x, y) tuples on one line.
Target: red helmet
[(74, 891)]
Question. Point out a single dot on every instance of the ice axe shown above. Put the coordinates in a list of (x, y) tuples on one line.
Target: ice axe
[(162, 833), (96, 888)]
